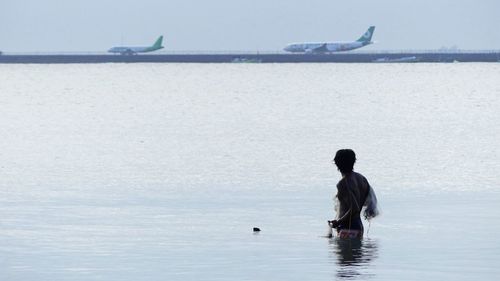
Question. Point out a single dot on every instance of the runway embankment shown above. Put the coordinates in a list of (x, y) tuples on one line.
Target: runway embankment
[(490, 56)]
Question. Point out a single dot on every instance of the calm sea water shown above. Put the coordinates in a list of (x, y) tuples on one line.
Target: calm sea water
[(160, 171)]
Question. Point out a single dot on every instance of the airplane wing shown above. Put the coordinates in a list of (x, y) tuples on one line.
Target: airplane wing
[(128, 51), (319, 49)]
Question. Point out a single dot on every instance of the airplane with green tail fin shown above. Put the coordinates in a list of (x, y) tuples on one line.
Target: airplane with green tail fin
[(126, 50), (331, 47)]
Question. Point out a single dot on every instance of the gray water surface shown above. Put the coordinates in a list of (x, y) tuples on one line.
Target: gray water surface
[(160, 171)]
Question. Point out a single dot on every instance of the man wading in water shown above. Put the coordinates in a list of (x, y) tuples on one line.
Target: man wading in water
[(353, 193)]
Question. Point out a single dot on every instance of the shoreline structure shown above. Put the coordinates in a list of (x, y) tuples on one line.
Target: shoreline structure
[(353, 57)]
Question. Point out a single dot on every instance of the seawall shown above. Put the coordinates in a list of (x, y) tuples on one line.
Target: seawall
[(263, 58)]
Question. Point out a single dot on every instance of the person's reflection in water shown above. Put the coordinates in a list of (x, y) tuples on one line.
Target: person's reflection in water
[(353, 257)]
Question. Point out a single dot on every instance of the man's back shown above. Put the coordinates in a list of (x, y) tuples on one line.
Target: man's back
[(352, 191)]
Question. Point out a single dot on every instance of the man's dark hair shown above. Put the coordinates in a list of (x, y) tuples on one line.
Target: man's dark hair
[(345, 159)]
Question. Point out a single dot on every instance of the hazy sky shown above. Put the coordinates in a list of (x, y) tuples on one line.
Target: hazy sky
[(253, 25)]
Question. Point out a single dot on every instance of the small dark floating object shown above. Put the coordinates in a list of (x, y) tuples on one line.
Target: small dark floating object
[(256, 229)]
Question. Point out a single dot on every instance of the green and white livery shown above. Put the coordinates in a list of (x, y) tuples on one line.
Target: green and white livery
[(126, 50), (330, 47)]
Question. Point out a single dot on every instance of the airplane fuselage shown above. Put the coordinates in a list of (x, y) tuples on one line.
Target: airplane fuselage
[(325, 47), (131, 50)]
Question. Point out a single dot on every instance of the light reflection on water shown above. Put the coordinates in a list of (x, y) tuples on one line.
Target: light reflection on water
[(159, 172), (353, 257)]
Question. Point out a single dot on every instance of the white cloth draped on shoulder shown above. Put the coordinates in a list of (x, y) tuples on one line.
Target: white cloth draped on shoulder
[(371, 208)]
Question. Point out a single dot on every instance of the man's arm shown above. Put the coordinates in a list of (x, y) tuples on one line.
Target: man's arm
[(343, 197)]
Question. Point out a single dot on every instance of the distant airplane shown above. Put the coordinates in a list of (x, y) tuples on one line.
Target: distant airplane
[(330, 47), (125, 50)]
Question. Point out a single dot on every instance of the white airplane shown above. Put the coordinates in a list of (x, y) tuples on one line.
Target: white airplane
[(125, 50), (330, 47)]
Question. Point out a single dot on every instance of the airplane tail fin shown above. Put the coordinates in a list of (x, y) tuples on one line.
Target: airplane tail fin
[(157, 44), (367, 37)]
